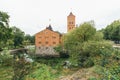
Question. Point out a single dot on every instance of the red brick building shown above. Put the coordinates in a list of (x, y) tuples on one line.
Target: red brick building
[(46, 39)]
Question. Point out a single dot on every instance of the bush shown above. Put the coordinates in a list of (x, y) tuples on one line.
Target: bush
[(64, 54), (43, 72), (109, 67), (6, 58), (112, 73), (92, 51), (86, 62), (96, 48), (92, 78)]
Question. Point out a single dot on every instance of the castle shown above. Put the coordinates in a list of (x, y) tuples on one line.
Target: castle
[(46, 39)]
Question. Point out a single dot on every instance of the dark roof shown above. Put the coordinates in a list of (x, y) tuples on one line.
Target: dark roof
[(49, 27), (71, 14)]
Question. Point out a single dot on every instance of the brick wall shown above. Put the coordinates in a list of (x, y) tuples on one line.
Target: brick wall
[(70, 22), (47, 38)]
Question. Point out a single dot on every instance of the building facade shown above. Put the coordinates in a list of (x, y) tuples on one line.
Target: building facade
[(47, 39), (70, 22)]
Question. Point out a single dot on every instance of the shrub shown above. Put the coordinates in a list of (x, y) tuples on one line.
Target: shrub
[(6, 58), (92, 78), (42, 73), (109, 69), (96, 48), (63, 53)]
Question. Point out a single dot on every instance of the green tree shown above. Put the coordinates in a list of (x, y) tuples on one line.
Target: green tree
[(73, 41), (112, 31), (5, 31), (84, 43), (29, 38), (82, 33), (4, 19), (18, 37)]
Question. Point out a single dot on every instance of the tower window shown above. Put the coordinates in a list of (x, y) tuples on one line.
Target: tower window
[(39, 42), (70, 22)]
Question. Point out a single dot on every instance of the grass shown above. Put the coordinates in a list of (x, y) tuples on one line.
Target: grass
[(49, 69), (52, 69), (6, 73), (46, 72), (43, 69)]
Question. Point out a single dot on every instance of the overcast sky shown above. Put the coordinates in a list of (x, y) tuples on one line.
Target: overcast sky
[(32, 16)]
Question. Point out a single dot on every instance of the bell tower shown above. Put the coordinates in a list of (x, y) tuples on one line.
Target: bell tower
[(70, 22)]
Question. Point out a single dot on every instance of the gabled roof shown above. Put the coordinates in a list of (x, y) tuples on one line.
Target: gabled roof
[(50, 29)]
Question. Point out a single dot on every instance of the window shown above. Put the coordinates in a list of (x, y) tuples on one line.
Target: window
[(40, 37), (39, 42), (46, 37), (70, 22), (53, 37), (54, 42), (46, 42)]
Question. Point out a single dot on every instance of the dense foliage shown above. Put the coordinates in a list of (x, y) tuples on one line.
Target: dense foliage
[(85, 43), (5, 31), (6, 58), (87, 48), (18, 37), (112, 31), (12, 37), (84, 47), (29, 40)]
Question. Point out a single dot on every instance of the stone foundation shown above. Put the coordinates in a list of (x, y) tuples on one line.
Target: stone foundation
[(46, 51)]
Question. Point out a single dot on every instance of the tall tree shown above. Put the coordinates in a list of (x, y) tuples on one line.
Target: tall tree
[(73, 41), (4, 19), (29, 38), (5, 30), (82, 33), (112, 31), (84, 43), (18, 37)]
